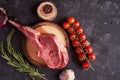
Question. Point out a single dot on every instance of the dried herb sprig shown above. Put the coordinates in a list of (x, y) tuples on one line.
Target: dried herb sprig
[(15, 59)]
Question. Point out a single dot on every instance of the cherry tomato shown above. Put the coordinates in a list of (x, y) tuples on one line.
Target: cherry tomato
[(81, 57), (79, 30), (84, 43), (88, 49), (85, 65), (72, 36), (70, 30), (91, 56), (66, 25), (78, 50), (76, 24), (71, 19), (75, 42), (81, 36)]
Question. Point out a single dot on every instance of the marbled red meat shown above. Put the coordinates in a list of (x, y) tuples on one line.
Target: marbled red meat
[(49, 46)]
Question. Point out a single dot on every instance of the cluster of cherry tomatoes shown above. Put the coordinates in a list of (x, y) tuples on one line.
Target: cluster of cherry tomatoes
[(81, 45)]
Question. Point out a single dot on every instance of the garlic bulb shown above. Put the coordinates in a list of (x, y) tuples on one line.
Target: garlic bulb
[(67, 75)]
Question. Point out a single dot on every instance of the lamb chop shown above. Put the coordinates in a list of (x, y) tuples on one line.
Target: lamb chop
[(50, 48)]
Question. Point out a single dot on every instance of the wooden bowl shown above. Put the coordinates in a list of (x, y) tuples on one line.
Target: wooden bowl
[(44, 27)]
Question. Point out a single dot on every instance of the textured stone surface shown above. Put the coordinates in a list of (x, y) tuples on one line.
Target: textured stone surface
[(100, 20)]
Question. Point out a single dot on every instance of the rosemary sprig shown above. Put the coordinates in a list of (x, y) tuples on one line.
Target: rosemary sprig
[(15, 59)]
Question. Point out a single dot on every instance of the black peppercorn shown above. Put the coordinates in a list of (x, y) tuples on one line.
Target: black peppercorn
[(47, 9)]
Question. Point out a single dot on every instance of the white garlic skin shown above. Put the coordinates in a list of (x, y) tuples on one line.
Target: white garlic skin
[(67, 75)]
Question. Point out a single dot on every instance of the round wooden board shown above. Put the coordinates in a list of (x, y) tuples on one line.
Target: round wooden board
[(44, 28)]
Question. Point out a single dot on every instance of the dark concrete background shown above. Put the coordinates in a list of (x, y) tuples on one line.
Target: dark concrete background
[(100, 20)]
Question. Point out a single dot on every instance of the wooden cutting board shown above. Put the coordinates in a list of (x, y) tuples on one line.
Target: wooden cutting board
[(49, 28)]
